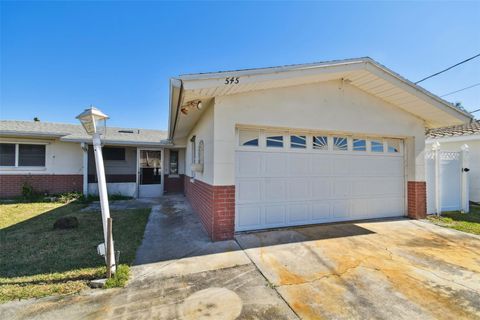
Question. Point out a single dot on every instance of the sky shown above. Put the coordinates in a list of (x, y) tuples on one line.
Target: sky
[(57, 58)]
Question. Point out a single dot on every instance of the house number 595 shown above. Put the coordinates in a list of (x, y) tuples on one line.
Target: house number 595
[(232, 80)]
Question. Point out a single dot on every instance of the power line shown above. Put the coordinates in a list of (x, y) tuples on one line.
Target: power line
[(472, 86), (436, 74), (475, 111)]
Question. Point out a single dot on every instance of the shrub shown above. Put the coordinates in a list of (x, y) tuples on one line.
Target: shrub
[(69, 197)]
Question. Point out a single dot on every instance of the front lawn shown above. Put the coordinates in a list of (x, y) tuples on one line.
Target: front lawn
[(36, 260), (467, 222)]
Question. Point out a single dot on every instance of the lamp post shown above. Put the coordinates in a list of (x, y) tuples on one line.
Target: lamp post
[(94, 122)]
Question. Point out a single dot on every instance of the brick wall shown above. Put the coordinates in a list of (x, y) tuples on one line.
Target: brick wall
[(215, 206), (174, 184), (11, 185), (417, 199)]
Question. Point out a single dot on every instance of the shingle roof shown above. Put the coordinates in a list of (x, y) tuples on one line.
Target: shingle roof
[(76, 133), (467, 129)]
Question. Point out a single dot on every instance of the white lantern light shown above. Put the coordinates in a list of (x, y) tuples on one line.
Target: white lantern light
[(93, 121)]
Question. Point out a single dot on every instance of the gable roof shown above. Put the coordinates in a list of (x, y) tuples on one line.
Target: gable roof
[(75, 133), (363, 73), (467, 129)]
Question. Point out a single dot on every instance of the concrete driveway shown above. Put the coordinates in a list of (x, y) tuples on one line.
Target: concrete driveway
[(394, 269)]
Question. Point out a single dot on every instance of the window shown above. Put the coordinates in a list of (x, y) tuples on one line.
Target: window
[(113, 154), (359, 145), (274, 141), (201, 151), (173, 162), (340, 144), (248, 138), (7, 154), (22, 155), (320, 142), (377, 146), (31, 155), (193, 150), (393, 146), (298, 142)]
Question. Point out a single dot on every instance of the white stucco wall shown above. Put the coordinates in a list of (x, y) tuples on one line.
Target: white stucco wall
[(325, 106), (474, 162), (203, 130), (60, 158)]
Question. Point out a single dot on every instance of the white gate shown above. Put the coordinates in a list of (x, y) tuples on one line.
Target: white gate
[(447, 180)]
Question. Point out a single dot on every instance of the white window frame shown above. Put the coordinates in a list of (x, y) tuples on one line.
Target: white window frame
[(263, 133), (17, 153)]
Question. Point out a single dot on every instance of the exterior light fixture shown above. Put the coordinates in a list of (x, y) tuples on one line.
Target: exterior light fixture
[(194, 104), (94, 122)]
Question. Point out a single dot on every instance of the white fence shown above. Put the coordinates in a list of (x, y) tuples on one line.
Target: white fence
[(447, 180)]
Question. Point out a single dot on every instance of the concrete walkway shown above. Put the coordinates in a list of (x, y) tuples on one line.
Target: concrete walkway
[(178, 274), (390, 269)]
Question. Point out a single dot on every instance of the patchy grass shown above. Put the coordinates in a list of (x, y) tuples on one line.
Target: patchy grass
[(120, 278), (467, 222), (36, 260)]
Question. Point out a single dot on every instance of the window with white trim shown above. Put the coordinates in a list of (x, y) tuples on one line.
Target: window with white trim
[(7, 154), (298, 142), (173, 162), (340, 144), (320, 142), (248, 138), (359, 145), (376, 145), (274, 141), (393, 146), (22, 155)]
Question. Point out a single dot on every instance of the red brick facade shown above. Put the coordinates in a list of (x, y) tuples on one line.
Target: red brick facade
[(11, 185), (173, 184), (215, 206), (417, 199)]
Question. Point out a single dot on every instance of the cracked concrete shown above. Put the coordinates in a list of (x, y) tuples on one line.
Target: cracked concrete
[(399, 269), (390, 269)]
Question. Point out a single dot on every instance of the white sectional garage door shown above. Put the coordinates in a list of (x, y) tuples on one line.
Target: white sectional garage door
[(289, 187)]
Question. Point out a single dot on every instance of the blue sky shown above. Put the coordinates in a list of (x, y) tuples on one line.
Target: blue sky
[(59, 57)]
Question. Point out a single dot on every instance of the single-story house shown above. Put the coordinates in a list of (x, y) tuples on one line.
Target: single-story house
[(57, 157), (452, 139), (270, 147), (304, 144)]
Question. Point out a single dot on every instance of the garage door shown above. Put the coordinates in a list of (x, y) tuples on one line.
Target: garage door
[(321, 179)]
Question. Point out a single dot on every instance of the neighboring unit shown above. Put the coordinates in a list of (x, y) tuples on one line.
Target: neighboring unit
[(451, 139), (304, 144), (55, 158)]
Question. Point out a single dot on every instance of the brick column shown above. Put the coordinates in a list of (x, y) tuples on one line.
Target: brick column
[(417, 199), (215, 206)]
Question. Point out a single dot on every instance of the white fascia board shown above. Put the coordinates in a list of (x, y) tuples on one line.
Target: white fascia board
[(271, 70), (416, 90), (8, 133), (269, 74), (119, 142), (176, 87), (473, 137)]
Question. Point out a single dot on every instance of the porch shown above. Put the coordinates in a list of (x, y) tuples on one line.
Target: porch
[(136, 171)]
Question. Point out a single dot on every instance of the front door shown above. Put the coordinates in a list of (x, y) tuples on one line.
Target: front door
[(150, 173)]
